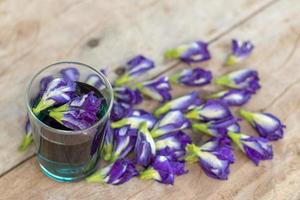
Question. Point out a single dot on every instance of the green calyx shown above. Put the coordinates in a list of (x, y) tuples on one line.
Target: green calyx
[(156, 133), (225, 81), (174, 78), (107, 152), (123, 80), (216, 95), (231, 60), (193, 153), (202, 127), (27, 140), (96, 177), (162, 110), (42, 105), (248, 116), (193, 114), (58, 113), (149, 174), (236, 138), (120, 123)]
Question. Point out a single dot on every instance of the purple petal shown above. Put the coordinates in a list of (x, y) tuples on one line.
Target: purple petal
[(171, 122), (95, 81), (78, 114), (158, 89), (139, 65), (194, 77), (121, 171), (182, 103), (241, 49), (127, 95), (71, 74), (119, 111)]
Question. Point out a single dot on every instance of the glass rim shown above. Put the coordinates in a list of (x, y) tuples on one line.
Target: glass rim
[(69, 132)]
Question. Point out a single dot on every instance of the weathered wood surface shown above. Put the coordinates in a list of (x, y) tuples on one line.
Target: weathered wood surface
[(276, 57), (101, 33)]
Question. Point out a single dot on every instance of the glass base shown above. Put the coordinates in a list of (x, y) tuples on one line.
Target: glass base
[(66, 174)]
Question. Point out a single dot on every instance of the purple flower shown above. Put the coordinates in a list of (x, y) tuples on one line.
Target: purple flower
[(107, 146), (173, 143), (240, 50), (212, 110), (95, 81), (232, 97), (163, 170), (190, 53), (246, 79), (58, 91), (119, 172), (135, 120), (144, 147), (158, 89), (27, 139), (119, 111), (214, 157), (124, 141), (235, 127), (267, 125), (71, 74), (44, 84), (78, 114), (135, 67), (127, 95), (182, 103), (171, 122), (192, 77), (256, 148), (215, 128)]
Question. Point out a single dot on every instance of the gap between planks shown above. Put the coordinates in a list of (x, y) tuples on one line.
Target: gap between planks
[(168, 68)]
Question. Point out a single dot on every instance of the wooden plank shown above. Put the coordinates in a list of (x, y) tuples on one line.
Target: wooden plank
[(100, 33), (275, 57)]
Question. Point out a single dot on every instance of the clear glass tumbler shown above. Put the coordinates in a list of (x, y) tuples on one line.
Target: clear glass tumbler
[(66, 155)]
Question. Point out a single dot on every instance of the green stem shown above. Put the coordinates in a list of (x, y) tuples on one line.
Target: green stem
[(122, 80), (95, 178)]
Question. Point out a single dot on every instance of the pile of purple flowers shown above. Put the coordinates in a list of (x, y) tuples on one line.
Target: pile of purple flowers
[(156, 146)]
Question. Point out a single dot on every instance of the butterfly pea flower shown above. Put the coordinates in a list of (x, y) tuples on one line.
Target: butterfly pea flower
[(255, 148), (127, 95), (124, 141), (173, 144), (214, 157), (27, 138), (182, 103), (239, 51), (211, 110), (135, 67), (120, 171), (58, 91), (157, 89), (190, 53), (267, 125), (95, 81), (214, 128), (70, 73), (246, 79), (163, 170), (135, 120), (144, 147), (232, 97), (120, 110), (192, 77), (171, 122), (78, 114)]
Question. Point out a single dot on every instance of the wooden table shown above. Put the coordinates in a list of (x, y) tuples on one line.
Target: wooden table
[(107, 33)]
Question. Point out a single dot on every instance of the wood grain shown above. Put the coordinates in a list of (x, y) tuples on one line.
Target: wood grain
[(276, 57), (101, 33)]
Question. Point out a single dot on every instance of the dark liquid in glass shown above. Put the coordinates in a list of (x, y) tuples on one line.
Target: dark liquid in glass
[(71, 154)]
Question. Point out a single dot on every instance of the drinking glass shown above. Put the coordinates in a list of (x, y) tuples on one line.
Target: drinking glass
[(67, 155)]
